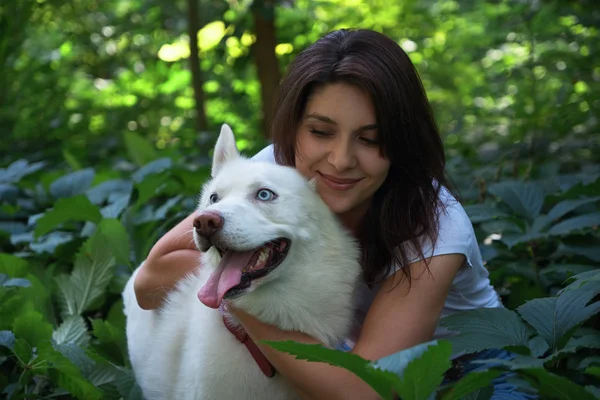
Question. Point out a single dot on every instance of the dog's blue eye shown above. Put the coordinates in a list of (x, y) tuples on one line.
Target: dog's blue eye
[(265, 195), (213, 198)]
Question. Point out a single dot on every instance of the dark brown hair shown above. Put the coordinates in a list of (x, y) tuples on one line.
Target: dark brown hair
[(404, 209)]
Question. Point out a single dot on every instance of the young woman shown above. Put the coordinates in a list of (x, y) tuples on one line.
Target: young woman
[(352, 113)]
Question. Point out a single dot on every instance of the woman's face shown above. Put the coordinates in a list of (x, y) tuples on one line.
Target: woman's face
[(337, 144)]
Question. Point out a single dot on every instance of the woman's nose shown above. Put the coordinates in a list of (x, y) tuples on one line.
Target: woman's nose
[(342, 155)]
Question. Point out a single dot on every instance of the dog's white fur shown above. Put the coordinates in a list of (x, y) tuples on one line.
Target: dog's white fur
[(183, 350)]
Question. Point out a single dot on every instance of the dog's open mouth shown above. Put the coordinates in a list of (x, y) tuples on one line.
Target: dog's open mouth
[(238, 269)]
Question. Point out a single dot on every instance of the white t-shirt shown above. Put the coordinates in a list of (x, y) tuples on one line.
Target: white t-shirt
[(471, 287)]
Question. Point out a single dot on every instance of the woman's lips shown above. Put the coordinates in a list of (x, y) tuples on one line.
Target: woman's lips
[(337, 183)]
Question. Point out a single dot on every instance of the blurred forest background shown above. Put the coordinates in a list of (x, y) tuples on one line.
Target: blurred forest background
[(109, 111)]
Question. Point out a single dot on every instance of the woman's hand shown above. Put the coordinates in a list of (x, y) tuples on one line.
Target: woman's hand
[(170, 259)]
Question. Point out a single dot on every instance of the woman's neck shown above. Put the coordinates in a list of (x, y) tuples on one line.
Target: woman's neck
[(353, 219)]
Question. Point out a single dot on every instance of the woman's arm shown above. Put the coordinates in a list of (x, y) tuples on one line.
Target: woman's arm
[(171, 258), (398, 319)]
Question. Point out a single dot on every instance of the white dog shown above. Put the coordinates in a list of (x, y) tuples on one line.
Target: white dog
[(272, 248)]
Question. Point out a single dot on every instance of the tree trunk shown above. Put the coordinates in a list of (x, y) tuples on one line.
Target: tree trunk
[(197, 81), (266, 62)]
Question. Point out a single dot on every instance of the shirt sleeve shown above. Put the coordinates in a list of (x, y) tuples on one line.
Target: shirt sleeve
[(455, 233)]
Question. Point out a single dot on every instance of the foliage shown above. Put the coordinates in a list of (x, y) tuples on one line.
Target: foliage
[(101, 156)]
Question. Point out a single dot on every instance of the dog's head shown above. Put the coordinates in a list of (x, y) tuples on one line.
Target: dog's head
[(250, 217)]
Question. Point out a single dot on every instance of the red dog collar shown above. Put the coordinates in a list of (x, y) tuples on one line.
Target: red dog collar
[(242, 336)]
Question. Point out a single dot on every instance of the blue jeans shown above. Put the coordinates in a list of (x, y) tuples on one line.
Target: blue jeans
[(502, 389)]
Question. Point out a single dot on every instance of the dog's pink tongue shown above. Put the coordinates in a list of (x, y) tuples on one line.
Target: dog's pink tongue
[(227, 275)]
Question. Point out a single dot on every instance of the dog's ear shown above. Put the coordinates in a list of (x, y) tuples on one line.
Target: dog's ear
[(225, 149), (312, 183)]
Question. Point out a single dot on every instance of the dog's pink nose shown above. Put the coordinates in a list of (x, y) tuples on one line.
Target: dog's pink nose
[(208, 223)]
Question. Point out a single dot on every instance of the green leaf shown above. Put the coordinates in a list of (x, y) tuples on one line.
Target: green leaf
[(109, 190), (67, 374), (588, 277), (483, 212), (128, 386), (566, 270), (590, 252), (538, 346), (78, 208), (7, 339), (18, 169), (485, 328), (409, 364), (15, 282), (383, 382), (593, 371), (588, 341), (575, 224), (72, 184), (471, 383), (32, 327), (111, 341), (93, 270), (566, 206), (72, 331), (553, 317), (552, 386), (13, 266), (117, 239), (524, 198), (139, 149), (588, 361), (71, 159), (153, 167)]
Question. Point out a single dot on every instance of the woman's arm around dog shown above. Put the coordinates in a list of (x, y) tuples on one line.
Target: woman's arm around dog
[(398, 319)]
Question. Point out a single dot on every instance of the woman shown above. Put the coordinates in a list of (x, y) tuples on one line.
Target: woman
[(352, 114)]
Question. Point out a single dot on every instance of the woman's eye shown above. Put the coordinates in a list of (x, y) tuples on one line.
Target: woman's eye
[(213, 198), (370, 142), (318, 132), (265, 195)]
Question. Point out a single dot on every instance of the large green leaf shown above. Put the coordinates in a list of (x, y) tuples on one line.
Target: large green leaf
[(591, 252), (93, 270), (553, 317), (588, 341), (68, 375), (591, 278), (13, 266), (575, 224), (471, 383), (111, 343), (139, 149), (566, 206), (485, 328), (18, 169), (72, 331), (410, 364), (383, 382), (32, 327), (552, 386), (524, 198), (153, 167), (117, 238), (72, 184), (78, 208)]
